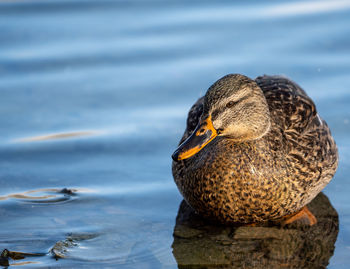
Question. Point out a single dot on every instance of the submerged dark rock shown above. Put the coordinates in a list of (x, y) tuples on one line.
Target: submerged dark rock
[(61, 249), (4, 258), (68, 191), (200, 244), (6, 255)]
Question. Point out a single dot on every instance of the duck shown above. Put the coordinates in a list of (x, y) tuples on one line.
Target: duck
[(254, 151)]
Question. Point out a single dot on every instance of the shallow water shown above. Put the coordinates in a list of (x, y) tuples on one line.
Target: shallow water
[(94, 96)]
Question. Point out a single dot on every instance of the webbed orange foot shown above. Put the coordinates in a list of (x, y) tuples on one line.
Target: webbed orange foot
[(304, 215)]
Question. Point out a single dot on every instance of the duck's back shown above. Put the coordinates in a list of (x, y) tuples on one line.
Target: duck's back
[(307, 140)]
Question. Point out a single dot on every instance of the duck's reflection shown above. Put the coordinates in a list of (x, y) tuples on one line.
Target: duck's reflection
[(199, 244)]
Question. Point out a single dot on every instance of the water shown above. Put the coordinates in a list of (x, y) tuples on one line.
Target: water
[(94, 96)]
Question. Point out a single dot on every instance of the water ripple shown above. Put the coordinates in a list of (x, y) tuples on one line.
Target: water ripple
[(56, 136), (44, 196)]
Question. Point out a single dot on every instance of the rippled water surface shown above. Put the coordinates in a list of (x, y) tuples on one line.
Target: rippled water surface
[(93, 100)]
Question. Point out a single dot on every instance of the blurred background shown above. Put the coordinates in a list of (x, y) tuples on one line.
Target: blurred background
[(94, 96)]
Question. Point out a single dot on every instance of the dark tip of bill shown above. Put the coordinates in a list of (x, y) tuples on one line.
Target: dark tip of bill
[(175, 156)]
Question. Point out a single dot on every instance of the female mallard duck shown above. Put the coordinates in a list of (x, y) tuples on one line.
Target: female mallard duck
[(254, 151)]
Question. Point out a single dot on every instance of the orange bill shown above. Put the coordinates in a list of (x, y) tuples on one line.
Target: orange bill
[(201, 136)]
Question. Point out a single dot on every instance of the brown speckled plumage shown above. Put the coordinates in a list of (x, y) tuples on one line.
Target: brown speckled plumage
[(265, 178)]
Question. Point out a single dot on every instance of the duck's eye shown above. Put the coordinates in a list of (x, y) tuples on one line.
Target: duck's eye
[(219, 131), (230, 104)]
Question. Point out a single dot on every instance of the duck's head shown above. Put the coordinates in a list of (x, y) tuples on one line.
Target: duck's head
[(235, 108)]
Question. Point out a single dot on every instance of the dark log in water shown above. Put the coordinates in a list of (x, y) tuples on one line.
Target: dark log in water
[(200, 244)]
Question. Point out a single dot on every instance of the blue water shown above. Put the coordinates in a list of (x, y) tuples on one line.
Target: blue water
[(118, 77)]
